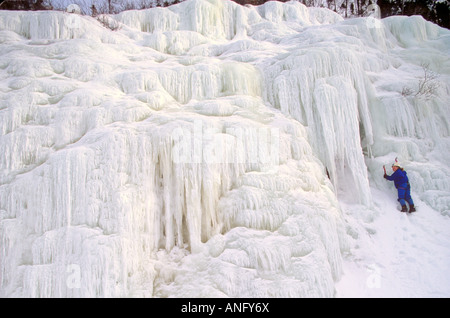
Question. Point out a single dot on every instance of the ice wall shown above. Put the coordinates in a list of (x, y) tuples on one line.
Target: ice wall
[(201, 149)]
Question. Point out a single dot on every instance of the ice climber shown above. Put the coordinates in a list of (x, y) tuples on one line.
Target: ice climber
[(401, 182)]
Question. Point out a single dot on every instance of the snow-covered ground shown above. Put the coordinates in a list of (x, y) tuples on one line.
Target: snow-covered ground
[(398, 254), (213, 150)]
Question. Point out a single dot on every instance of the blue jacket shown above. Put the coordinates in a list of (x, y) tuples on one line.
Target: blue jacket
[(400, 178)]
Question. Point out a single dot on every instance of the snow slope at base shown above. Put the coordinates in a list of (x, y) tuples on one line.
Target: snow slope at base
[(397, 254)]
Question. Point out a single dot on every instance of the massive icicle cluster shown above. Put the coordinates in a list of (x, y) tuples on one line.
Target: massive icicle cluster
[(200, 149)]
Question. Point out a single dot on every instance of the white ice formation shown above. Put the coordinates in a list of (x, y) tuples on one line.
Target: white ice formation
[(73, 8), (202, 149)]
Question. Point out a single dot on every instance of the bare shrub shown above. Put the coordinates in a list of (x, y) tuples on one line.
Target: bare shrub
[(427, 85)]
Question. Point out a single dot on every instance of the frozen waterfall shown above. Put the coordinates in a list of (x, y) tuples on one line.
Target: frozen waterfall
[(204, 149)]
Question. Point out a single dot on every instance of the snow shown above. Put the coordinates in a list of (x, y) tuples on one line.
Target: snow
[(209, 149), (103, 6)]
